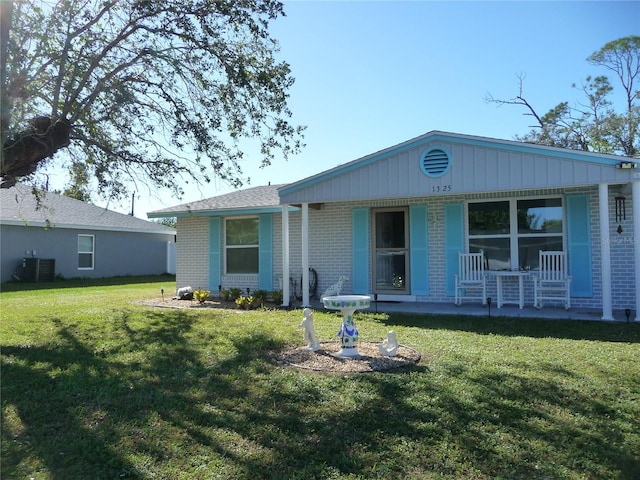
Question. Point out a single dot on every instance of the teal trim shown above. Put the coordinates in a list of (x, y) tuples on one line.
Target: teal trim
[(579, 245), (419, 249), (265, 267), (360, 250), (436, 137), (454, 242), (215, 253), (222, 213), (521, 147)]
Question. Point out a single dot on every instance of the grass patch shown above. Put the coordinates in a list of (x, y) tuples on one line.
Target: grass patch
[(94, 386)]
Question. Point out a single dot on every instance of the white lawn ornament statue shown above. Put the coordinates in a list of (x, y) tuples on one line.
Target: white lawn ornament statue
[(309, 330), (389, 346), (335, 289), (185, 293)]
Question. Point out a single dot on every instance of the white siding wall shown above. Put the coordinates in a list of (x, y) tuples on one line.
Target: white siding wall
[(474, 168)]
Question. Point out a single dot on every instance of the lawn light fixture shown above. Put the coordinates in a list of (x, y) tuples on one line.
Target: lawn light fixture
[(627, 165)]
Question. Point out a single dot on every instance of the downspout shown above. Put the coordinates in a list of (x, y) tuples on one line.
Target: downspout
[(605, 251), (285, 256), (305, 255)]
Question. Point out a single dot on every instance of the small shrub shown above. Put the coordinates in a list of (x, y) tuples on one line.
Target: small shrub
[(235, 293), (247, 303), (277, 297), (244, 302), (201, 295), (226, 295), (260, 297)]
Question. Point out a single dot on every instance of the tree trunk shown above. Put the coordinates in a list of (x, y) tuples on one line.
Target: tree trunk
[(6, 12), (23, 154)]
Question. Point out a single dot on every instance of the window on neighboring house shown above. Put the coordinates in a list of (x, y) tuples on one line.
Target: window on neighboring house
[(242, 245), (512, 232), (86, 244)]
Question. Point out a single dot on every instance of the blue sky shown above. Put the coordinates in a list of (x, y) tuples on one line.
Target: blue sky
[(372, 74)]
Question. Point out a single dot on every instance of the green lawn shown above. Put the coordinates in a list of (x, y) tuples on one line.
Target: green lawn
[(95, 387)]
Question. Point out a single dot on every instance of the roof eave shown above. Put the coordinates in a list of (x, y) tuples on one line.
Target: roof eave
[(222, 212), (67, 226)]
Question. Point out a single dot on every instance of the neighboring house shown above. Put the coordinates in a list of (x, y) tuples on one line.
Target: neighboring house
[(394, 222), (69, 238)]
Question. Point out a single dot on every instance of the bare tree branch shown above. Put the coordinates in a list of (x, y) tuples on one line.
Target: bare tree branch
[(593, 125)]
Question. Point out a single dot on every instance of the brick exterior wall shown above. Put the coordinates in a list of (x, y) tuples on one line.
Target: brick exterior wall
[(330, 248), (192, 252), (622, 251)]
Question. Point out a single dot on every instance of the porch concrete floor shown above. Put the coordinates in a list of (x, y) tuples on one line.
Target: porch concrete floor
[(557, 313)]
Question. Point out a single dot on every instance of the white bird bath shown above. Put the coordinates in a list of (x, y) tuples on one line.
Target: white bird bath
[(348, 333)]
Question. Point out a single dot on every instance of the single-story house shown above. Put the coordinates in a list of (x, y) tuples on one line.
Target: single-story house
[(62, 236), (393, 222)]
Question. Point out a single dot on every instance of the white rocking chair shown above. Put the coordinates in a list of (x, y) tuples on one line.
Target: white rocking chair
[(552, 282), (471, 277)]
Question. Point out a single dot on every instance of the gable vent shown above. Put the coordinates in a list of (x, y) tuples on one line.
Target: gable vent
[(435, 162)]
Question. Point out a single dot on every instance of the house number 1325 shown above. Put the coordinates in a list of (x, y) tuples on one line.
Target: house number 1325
[(440, 188)]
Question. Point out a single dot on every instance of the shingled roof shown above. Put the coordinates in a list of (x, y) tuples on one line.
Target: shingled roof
[(18, 206), (255, 198)]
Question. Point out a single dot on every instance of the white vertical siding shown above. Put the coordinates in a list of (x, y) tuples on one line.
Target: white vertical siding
[(474, 169)]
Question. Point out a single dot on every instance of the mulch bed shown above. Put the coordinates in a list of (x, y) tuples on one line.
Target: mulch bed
[(369, 359), (172, 302)]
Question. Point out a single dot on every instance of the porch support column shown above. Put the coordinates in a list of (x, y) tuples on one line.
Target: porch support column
[(285, 256), (635, 191), (605, 251), (305, 255)]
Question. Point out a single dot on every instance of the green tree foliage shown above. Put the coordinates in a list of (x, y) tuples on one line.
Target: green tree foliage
[(78, 187), (125, 92), (594, 125), (171, 222)]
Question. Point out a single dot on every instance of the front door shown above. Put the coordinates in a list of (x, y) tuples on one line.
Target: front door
[(391, 251)]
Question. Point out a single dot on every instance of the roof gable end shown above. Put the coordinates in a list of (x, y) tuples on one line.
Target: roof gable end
[(435, 137)]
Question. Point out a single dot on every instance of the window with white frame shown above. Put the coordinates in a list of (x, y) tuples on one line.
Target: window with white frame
[(512, 232), (242, 245), (86, 252)]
